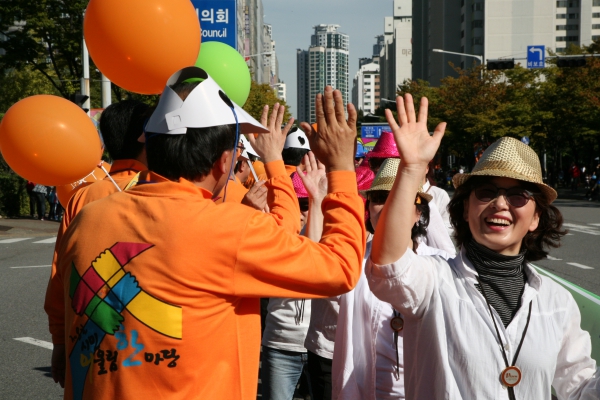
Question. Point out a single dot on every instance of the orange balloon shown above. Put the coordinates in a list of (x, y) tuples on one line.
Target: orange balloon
[(49, 140), (65, 192), (139, 44)]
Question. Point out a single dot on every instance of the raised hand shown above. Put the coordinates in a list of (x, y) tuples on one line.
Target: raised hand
[(270, 145), (315, 179), (412, 136), (333, 141), (256, 196)]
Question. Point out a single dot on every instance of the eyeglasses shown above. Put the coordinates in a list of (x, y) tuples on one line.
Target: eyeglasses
[(378, 196), (515, 196), (303, 202)]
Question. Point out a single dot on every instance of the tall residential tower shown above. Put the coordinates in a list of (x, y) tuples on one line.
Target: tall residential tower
[(324, 63)]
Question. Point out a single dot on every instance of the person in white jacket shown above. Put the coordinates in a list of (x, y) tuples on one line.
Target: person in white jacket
[(368, 358), (483, 325)]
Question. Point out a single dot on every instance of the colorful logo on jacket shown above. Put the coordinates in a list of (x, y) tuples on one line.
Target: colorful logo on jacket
[(102, 293)]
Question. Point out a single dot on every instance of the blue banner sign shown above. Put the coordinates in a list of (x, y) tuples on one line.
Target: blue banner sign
[(217, 20), (373, 131)]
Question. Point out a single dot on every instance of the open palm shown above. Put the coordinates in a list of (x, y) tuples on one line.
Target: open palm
[(412, 137)]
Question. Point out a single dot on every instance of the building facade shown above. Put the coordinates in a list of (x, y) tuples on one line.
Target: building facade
[(324, 63), (496, 29), (366, 88), (396, 48)]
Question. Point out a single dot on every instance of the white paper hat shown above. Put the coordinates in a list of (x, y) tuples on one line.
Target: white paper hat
[(296, 139), (206, 106), (247, 148)]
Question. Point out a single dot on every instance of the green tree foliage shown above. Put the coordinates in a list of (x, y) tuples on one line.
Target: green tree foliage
[(261, 94), (18, 84), (557, 108)]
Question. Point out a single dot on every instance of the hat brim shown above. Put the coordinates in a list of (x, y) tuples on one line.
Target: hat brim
[(372, 154), (549, 192)]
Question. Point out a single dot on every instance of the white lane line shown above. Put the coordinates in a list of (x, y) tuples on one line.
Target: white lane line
[(51, 240), (580, 266), (594, 224), (13, 240), (35, 342), (553, 258), (33, 266), (582, 229)]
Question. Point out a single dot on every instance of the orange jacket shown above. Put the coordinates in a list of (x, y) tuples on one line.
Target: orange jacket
[(161, 286), (122, 172), (235, 192)]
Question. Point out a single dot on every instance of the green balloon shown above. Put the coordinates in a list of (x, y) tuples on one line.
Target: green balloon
[(228, 68)]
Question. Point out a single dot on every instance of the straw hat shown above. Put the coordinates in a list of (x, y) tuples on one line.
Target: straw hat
[(385, 147), (387, 175), (510, 158)]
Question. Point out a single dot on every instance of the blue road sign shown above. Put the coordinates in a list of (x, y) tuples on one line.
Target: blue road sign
[(217, 20), (536, 56), (373, 131)]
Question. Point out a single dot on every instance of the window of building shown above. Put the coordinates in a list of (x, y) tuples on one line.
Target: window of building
[(567, 27), (478, 23), (477, 7), (596, 26), (462, 34), (575, 3), (561, 49), (595, 15), (561, 16), (567, 38), (560, 4), (462, 18), (367, 76), (476, 41), (573, 16), (596, 3), (596, 37)]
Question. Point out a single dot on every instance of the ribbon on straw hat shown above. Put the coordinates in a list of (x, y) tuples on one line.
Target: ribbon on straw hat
[(385, 147), (384, 180), (508, 157)]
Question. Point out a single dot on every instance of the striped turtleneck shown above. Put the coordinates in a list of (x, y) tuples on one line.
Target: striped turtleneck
[(503, 278)]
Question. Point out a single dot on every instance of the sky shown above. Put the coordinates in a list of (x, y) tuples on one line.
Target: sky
[(293, 21)]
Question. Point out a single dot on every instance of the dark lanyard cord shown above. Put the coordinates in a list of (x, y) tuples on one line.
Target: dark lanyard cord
[(396, 344), (511, 391)]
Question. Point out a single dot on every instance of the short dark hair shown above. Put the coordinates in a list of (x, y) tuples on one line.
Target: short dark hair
[(190, 156), (548, 233), (121, 124), (293, 156)]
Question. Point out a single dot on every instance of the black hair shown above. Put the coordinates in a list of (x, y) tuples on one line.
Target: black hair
[(548, 233), (293, 156), (420, 227), (190, 156), (121, 124)]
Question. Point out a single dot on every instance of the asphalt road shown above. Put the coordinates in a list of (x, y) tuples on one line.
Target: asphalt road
[(24, 271)]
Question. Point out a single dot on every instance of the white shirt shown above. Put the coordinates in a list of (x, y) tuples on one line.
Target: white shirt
[(451, 350), (364, 359), (286, 324), (441, 200), (323, 323)]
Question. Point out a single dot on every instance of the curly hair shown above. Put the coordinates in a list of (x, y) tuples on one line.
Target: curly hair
[(548, 233), (418, 229)]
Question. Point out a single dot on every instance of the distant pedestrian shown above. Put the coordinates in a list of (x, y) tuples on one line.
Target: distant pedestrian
[(574, 173), (39, 194), (32, 198)]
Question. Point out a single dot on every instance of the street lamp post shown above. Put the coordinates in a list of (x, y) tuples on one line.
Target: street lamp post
[(480, 58)]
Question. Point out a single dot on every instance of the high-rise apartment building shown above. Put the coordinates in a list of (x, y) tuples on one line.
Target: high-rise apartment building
[(324, 63), (396, 48), (496, 29), (365, 88)]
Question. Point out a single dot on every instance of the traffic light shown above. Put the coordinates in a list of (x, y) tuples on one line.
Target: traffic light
[(500, 64), (568, 62), (79, 99)]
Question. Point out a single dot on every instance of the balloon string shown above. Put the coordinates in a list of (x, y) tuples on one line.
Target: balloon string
[(252, 170), (110, 177)]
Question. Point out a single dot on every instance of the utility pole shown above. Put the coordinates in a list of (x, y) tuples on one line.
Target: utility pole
[(106, 95), (85, 81)]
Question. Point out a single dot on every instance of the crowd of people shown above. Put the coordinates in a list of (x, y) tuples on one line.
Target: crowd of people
[(39, 197), (218, 243)]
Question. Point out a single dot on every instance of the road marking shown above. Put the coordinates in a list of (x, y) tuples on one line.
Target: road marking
[(13, 240), (35, 342), (582, 229), (33, 266), (51, 240), (594, 224), (580, 266), (553, 258)]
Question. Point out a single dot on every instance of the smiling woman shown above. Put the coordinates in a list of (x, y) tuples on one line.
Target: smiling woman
[(484, 324)]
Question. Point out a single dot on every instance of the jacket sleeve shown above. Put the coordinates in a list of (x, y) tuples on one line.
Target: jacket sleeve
[(294, 266), (407, 284), (576, 376), (281, 197)]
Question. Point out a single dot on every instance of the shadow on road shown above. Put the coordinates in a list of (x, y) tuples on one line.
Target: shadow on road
[(46, 370)]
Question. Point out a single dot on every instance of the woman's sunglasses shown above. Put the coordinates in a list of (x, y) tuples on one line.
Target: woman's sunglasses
[(515, 196), (378, 196)]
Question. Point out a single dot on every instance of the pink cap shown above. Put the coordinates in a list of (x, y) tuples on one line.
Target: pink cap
[(299, 186), (385, 147), (364, 178)]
